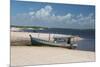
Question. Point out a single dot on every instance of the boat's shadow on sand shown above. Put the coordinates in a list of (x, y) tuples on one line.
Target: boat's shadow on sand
[(74, 48)]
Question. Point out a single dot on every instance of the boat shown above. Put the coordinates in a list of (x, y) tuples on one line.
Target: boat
[(57, 41)]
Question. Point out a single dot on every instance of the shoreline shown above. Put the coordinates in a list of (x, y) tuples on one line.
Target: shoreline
[(24, 39)]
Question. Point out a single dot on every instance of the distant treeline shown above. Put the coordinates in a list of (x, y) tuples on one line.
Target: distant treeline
[(33, 27)]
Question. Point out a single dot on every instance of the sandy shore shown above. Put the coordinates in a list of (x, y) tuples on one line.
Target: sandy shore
[(31, 55)]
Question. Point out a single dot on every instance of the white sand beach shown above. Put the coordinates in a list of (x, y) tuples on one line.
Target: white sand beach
[(32, 55)]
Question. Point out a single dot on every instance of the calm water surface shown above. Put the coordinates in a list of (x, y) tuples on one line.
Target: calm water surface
[(88, 44)]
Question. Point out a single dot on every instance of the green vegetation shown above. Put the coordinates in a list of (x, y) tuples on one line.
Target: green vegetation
[(33, 27)]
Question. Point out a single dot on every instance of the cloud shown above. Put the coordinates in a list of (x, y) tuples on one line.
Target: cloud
[(46, 17), (43, 12)]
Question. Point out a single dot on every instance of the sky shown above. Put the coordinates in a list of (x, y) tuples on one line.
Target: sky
[(52, 15)]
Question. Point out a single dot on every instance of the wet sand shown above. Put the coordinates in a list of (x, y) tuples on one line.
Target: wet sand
[(33, 55)]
